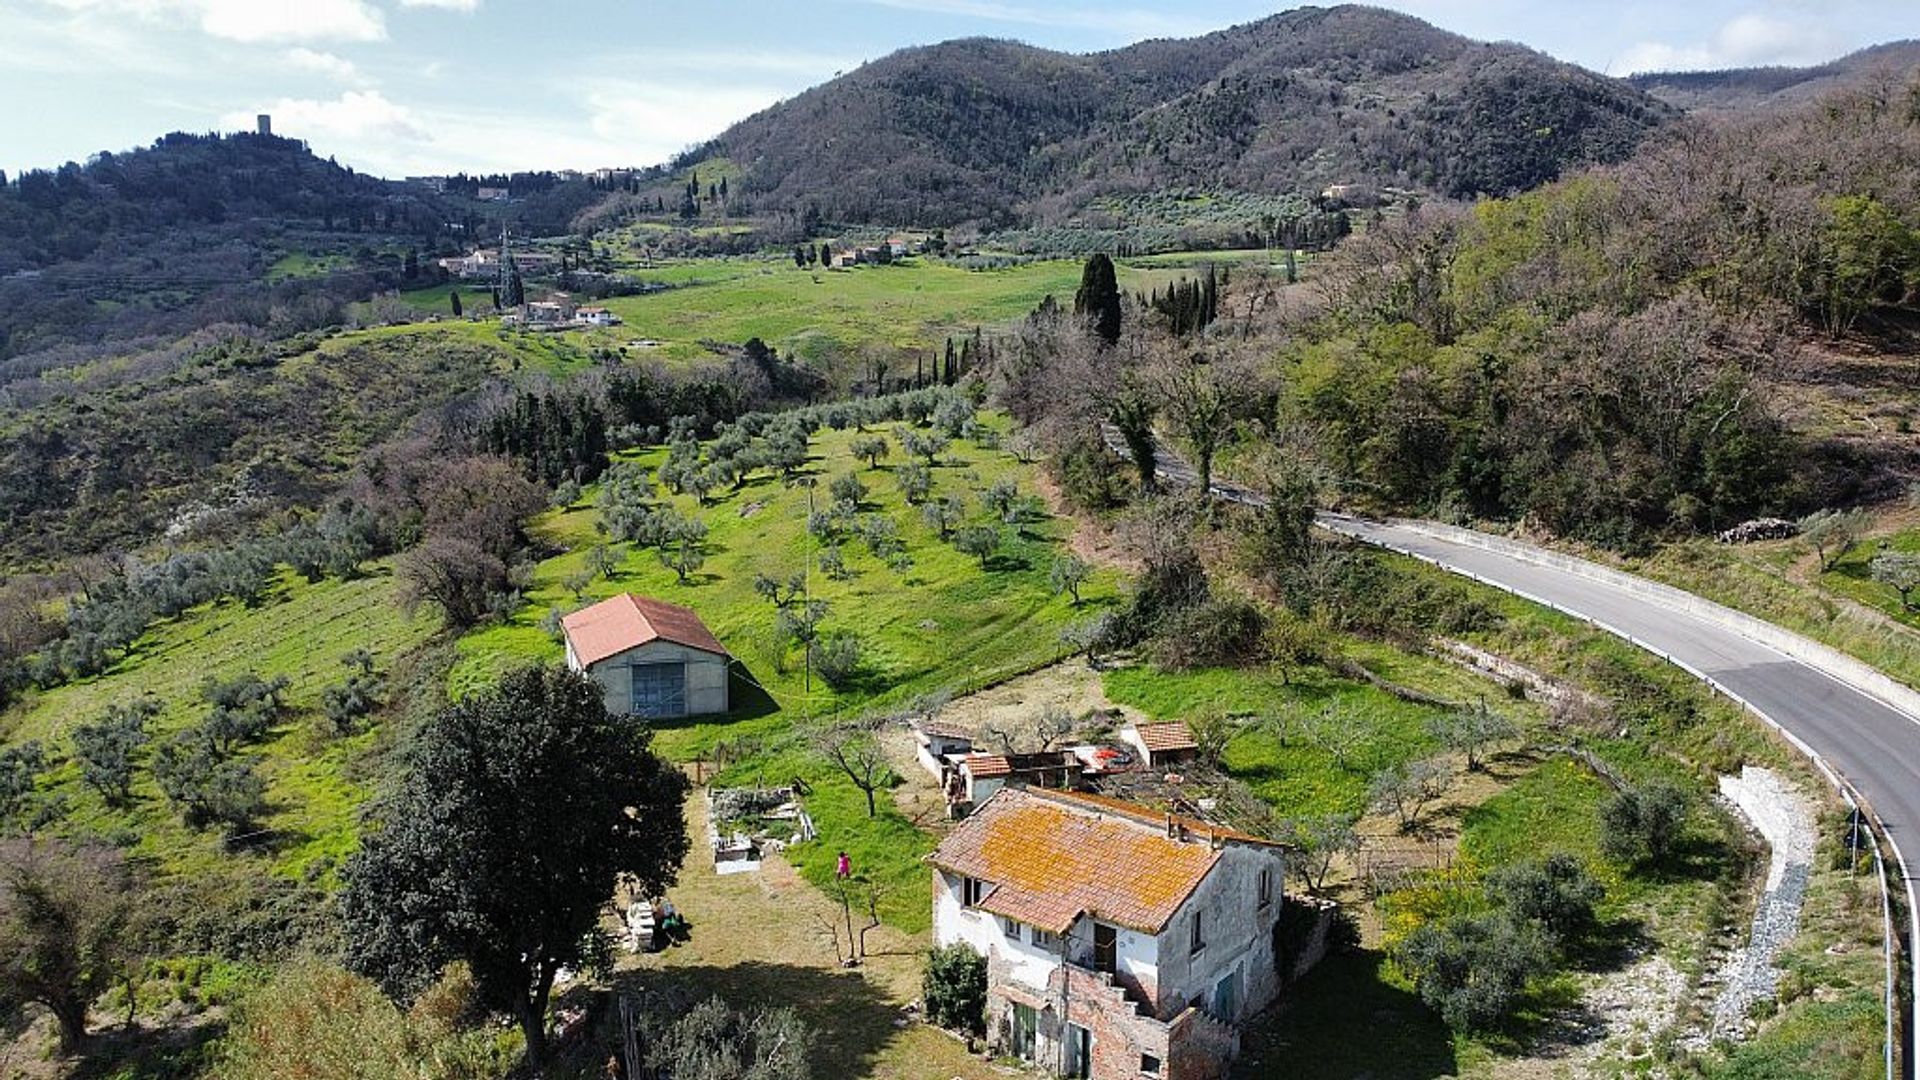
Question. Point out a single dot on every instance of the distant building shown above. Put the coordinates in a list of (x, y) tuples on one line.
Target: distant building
[(652, 658), (596, 316), (263, 124), (492, 194)]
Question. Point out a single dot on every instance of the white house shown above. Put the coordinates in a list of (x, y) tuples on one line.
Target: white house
[(1120, 942), (653, 659)]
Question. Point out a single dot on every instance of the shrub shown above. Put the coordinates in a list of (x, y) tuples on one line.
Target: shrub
[(1642, 824), (1220, 632), (1556, 894), (713, 1042), (1472, 970), (955, 988)]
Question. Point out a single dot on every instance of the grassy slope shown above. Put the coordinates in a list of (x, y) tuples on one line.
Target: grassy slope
[(944, 623), (1777, 581), (915, 304), (300, 630)]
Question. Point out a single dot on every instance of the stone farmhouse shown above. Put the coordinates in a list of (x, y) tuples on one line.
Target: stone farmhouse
[(653, 659), (1120, 942)]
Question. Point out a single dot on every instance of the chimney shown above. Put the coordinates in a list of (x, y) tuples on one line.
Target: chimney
[(263, 123)]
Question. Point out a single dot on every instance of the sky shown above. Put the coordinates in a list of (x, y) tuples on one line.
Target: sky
[(411, 87)]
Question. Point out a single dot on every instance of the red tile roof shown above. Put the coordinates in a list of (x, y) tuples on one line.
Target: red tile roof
[(1050, 856), (626, 621), (988, 765), (1160, 738)]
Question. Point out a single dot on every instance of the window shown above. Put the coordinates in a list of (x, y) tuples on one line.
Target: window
[(1010, 928), (971, 890), (1149, 1065), (1045, 939), (660, 690), (1266, 887), (1196, 940)]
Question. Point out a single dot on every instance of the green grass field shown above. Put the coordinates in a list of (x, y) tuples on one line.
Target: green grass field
[(945, 622), (815, 313), (299, 630)]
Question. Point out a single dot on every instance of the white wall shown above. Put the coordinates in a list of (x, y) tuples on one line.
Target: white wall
[(1237, 932), (1026, 965), (706, 676)]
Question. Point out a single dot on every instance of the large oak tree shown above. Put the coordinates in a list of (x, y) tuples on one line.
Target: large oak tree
[(518, 809)]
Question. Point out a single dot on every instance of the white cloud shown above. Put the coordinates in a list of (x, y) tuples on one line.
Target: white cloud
[(359, 116), (447, 5), (658, 119), (323, 63), (1745, 41), (253, 20)]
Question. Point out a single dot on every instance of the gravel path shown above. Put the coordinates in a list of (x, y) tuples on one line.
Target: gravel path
[(1783, 817)]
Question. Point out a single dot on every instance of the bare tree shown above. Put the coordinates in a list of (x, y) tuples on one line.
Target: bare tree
[(855, 750), (1337, 731), (1318, 842), (1212, 731), (1472, 730)]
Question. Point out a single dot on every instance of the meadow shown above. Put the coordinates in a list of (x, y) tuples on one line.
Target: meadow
[(821, 314)]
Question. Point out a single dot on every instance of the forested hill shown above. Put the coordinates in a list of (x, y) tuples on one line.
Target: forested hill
[(998, 131), (192, 230), (1748, 88), (120, 200)]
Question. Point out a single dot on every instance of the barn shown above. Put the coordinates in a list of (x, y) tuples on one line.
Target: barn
[(653, 659)]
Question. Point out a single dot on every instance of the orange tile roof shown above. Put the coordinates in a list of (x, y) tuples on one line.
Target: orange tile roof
[(626, 621), (1159, 738), (988, 765), (1049, 859)]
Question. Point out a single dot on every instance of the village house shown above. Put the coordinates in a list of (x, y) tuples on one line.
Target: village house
[(596, 316), (1120, 942), (653, 659)]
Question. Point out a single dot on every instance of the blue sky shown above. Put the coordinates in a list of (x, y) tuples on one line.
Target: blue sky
[(419, 86)]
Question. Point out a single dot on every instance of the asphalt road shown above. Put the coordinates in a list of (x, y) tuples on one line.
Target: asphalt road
[(1872, 745)]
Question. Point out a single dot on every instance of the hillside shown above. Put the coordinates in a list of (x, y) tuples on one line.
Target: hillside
[(201, 229), (1003, 132), (1763, 87)]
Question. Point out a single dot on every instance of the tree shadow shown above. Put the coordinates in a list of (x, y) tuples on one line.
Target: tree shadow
[(174, 1050), (852, 1021), (1345, 1019), (1003, 563)]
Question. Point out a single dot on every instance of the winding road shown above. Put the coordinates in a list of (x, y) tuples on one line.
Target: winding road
[(1866, 737)]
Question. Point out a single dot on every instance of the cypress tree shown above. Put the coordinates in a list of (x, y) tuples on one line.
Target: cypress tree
[(1098, 299), (454, 297)]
